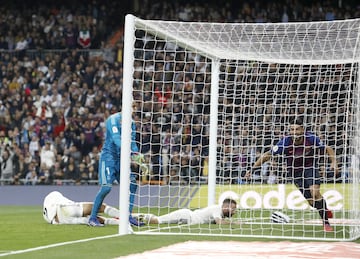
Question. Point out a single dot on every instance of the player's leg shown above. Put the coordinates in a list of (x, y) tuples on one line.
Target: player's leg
[(109, 210), (320, 205), (299, 183), (71, 214), (177, 216), (108, 221), (87, 207), (106, 178), (307, 195), (133, 188), (100, 196), (312, 182)]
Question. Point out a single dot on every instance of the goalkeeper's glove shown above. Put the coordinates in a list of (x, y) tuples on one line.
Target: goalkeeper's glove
[(144, 169), (139, 159)]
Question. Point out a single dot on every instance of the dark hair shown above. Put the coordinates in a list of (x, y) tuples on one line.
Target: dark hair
[(297, 121), (230, 201)]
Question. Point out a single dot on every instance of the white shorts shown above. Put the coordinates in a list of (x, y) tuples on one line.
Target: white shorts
[(66, 213)]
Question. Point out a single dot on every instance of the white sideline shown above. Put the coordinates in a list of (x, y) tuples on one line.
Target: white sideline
[(55, 245)]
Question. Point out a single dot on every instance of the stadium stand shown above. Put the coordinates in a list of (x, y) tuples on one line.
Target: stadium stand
[(61, 75)]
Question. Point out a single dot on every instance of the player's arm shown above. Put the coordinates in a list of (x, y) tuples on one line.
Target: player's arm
[(221, 221), (227, 221), (331, 153), (261, 160)]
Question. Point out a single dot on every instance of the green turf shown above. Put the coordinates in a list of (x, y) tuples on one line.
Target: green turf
[(22, 227)]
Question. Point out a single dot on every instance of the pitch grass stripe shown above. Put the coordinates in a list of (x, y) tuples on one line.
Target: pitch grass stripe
[(56, 245)]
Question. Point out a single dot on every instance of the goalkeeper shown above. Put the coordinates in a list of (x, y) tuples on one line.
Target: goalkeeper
[(109, 167), (301, 151)]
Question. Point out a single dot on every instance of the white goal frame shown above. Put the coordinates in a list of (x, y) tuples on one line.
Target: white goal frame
[(281, 45)]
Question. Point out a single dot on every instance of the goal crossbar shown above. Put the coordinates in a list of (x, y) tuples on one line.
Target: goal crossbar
[(330, 42)]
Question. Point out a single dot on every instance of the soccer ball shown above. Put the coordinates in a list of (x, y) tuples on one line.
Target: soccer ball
[(279, 217)]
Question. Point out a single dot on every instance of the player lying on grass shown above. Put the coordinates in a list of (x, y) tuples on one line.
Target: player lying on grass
[(215, 214), (57, 209)]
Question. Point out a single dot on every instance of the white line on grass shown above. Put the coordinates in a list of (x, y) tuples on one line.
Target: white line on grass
[(56, 245)]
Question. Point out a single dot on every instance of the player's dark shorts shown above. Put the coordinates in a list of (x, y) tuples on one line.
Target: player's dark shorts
[(306, 178)]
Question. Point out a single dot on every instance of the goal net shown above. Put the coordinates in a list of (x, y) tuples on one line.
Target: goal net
[(209, 98)]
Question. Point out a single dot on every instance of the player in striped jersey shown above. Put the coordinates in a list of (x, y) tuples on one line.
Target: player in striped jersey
[(301, 150)]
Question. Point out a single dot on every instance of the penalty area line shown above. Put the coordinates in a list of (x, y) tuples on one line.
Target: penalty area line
[(56, 245)]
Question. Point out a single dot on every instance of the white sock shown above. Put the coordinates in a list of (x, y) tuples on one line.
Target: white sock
[(112, 212), (111, 221)]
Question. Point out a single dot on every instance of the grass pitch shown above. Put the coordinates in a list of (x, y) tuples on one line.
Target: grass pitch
[(22, 228)]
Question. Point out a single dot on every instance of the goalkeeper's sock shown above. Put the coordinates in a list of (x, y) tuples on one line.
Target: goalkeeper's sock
[(133, 188), (111, 211), (320, 205), (100, 196)]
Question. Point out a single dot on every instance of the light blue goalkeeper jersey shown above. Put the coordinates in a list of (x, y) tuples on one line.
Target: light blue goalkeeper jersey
[(112, 145)]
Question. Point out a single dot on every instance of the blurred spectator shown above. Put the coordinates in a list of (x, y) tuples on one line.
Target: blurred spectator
[(84, 172), (34, 145), (92, 173), (75, 154), (52, 87), (31, 177), (6, 164), (71, 171), (47, 155), (44, 175)]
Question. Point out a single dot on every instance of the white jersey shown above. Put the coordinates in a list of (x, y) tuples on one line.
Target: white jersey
[(200, 216), (64, 210)]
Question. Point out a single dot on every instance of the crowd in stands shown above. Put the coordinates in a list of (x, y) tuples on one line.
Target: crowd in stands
[(55, 95)]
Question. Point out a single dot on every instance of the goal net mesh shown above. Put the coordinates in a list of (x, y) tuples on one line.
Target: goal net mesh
[(265, 74)]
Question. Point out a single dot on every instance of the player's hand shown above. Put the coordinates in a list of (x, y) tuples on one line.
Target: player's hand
[(248, 175)]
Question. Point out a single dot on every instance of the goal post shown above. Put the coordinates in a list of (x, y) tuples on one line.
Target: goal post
[(209, 98)]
